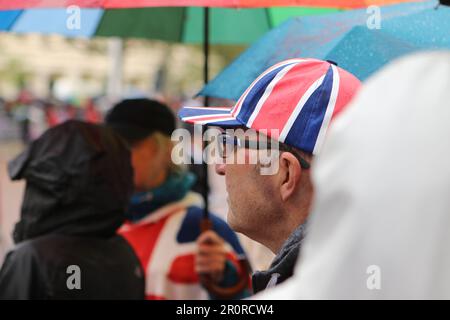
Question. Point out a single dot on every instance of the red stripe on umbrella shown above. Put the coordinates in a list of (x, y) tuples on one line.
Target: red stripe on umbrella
[(25, 4)]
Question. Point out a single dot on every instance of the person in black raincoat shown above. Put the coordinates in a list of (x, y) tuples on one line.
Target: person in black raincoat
[(78, 182)]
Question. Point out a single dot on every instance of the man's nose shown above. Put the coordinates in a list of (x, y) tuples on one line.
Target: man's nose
[(220, 169)]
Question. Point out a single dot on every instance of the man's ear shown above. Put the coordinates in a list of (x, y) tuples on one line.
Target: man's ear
[(290, 171)]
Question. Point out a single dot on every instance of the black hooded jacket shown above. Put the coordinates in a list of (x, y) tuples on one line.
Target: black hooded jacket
[(78, 181)]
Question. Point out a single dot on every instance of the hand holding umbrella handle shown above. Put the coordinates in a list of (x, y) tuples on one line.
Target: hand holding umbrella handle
[(212, 287)]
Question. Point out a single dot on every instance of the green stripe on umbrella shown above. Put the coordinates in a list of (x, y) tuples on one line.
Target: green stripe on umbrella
[(227, 26)]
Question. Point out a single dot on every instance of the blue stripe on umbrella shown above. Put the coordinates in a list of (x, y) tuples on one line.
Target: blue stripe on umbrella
[(7, 19), (58, 21)]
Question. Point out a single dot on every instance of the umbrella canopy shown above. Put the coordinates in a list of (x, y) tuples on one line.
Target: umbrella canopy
[(20, 4), (178, 24), (342, 37), (363, 52)]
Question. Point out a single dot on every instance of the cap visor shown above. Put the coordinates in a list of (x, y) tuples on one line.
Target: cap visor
[(213, 116)]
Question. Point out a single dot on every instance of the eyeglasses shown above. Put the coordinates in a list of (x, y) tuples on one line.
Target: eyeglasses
[(225, 140)]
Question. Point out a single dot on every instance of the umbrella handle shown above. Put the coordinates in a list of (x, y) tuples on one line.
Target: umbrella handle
[(230, 292)]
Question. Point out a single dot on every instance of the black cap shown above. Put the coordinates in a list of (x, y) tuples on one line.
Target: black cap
[(136, 119)]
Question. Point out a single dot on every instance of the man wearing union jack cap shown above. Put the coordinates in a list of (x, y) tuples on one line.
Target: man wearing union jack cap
[(293, 103)]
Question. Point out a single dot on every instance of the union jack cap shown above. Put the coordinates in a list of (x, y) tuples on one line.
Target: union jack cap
[(298, 97)]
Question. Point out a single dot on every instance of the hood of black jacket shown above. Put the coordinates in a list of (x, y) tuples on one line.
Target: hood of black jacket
[(78, 182)]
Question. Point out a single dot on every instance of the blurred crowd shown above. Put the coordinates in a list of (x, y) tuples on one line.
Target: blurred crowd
[(26, 117)]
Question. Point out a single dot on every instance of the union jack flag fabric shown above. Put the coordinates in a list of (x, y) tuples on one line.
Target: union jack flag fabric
[(165, 243), (294, 100)]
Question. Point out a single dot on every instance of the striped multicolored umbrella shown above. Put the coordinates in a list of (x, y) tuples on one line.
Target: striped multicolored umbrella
[(21, 4), (227, 26)]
